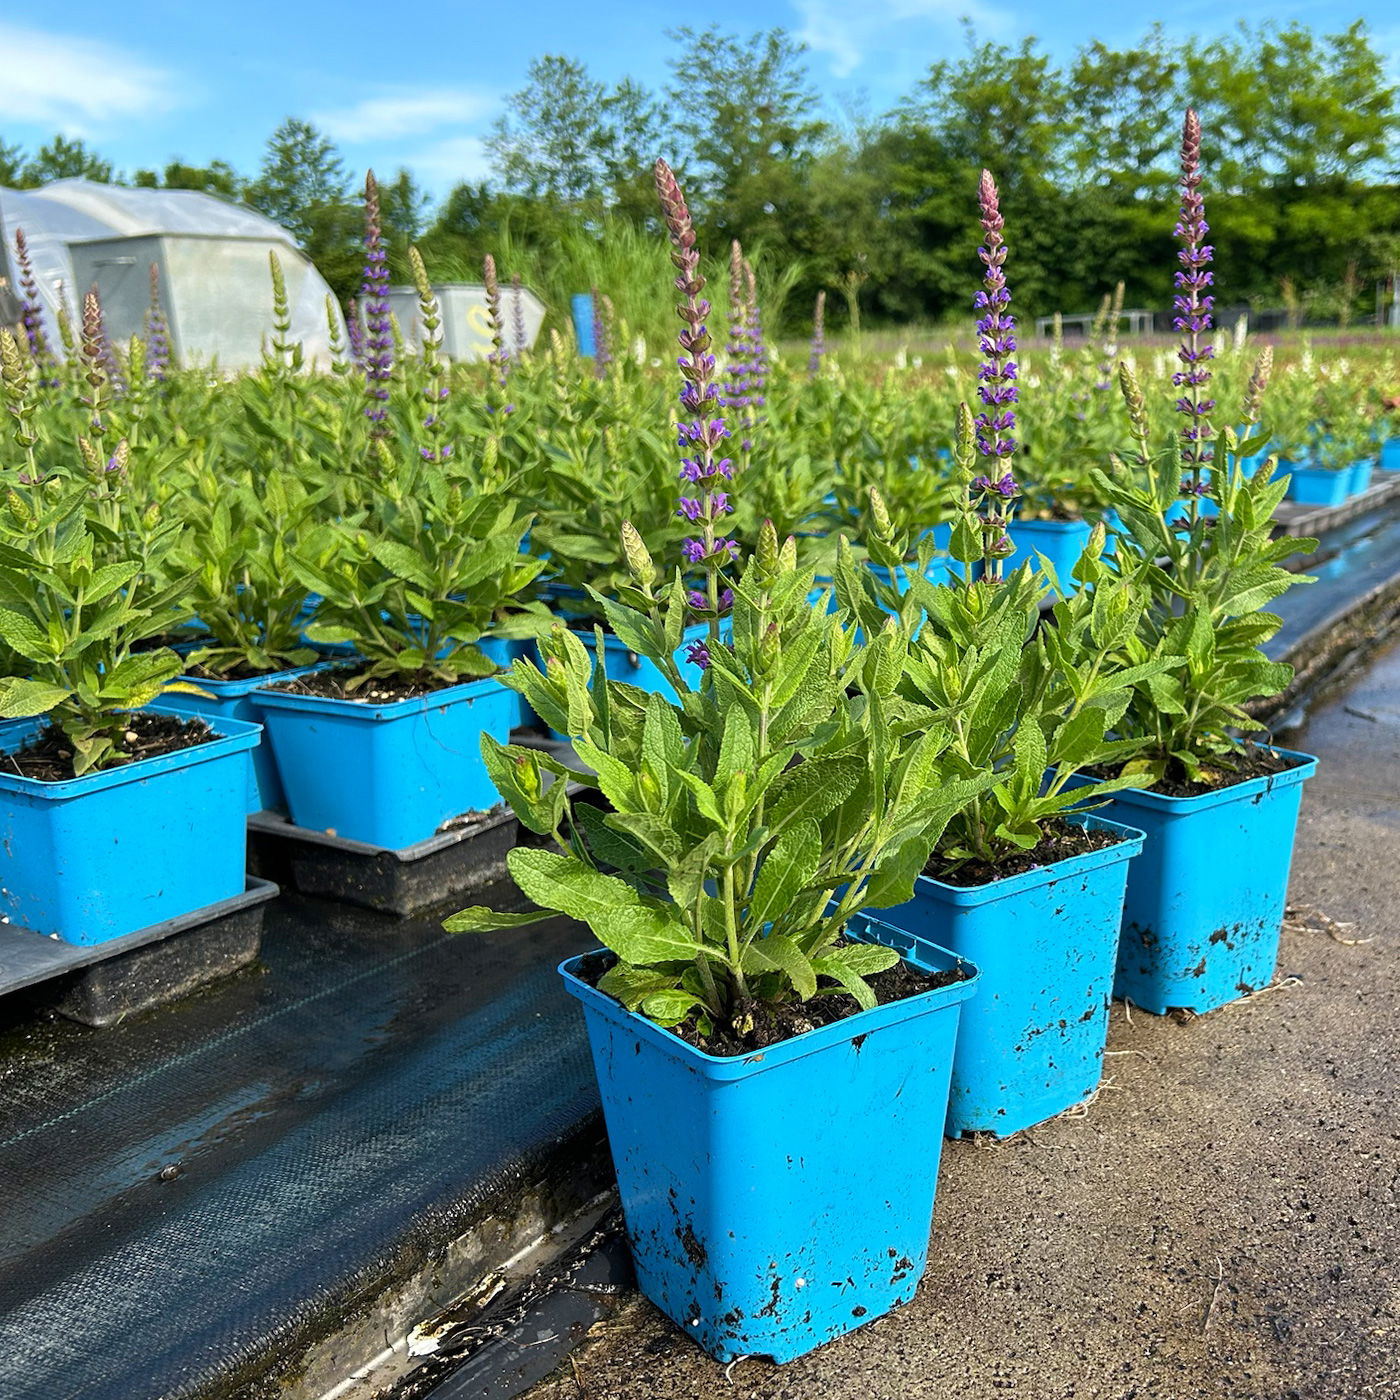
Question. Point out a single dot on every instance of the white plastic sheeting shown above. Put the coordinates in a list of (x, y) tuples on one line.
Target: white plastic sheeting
[(466, 328), (212, 259)]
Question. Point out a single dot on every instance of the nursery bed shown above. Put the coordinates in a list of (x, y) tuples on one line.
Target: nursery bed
[(198, 1199)]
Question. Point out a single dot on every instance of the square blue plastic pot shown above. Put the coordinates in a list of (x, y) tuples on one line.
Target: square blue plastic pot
[(387, 775), (1061, 542), (504, 651), (1361, 472), (1046, 942), (234, 700), (1205, 900), (100, 856), (1316, 486), (1390, 455), (777, 1200)]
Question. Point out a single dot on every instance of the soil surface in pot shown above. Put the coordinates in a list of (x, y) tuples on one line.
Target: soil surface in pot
[(48, 758), (1251, 762), (382, 690), (1061, 841), (770, 1023), (242, 671), (170, 639)]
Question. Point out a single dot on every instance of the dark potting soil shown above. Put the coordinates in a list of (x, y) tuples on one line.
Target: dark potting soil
[(382, 690), (1061, 841), (241, 672), (169, 639), (47, 757), (770, 1023), (1252, 762)]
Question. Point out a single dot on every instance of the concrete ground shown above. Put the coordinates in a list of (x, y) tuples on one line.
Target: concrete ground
[(1221, 1224)]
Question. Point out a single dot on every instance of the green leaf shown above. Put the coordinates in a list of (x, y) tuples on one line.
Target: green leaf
[(22, 699), (812, 789), (788, 867), (670, 1008), (479, 919), (636, 931), (776, 953), (25, 636)]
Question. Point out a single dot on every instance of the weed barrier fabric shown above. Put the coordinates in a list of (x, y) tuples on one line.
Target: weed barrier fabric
[(202, 1188)]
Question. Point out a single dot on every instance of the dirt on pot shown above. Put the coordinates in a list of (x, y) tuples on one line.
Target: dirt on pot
[(48, 757)]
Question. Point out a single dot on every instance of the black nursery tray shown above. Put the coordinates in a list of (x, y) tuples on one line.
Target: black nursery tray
[(400, 881), (100, 983)]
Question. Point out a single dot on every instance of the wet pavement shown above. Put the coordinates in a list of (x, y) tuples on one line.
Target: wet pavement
[(1221, 1224)]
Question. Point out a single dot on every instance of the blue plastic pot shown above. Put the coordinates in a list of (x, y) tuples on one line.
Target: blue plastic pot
[(234, 699), (101, 856), (1060, 542), (1390, 455), (1316, 486), (1361, 472), (504, 651), (1046, 942), (1205, 900), (388, 775), (777, 1200)]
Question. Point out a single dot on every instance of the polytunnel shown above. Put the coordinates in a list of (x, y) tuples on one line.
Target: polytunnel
[(211, 258)]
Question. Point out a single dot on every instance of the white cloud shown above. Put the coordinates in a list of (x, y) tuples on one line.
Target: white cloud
[(848, 33), (76, 83), (451, 160), (406, 114)]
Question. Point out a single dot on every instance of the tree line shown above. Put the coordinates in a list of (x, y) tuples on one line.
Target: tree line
[(1300, 149)]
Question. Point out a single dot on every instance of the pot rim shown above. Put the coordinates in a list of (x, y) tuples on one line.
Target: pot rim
[(928, 957), (393, 709), (1011, 885), (230, 736), (1144, 797)]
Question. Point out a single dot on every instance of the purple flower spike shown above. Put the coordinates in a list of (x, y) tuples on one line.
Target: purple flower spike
[(378, 345), (996, 385), (699, 435), (698, 654), (1193, 305)]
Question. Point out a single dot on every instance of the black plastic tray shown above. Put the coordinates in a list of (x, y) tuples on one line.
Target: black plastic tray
[(100, 983), (400, 881)]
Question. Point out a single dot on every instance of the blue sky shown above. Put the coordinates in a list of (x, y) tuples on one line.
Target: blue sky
[(419, 85)]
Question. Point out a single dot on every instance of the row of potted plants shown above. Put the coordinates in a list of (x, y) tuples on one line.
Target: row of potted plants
[(870, 874)]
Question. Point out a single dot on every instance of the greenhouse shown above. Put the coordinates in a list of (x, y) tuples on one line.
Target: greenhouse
[(210, 259)]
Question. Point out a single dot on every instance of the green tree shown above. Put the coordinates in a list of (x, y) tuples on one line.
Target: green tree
[(12, 160), (64, 158), (746, 115), (301, 173), (217, 178)]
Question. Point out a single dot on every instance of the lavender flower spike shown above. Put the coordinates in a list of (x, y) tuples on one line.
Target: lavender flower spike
[(157, 331), (814, 359), (1193, 304), (700, 433), (32, 314), (379, 332), (996, 386)]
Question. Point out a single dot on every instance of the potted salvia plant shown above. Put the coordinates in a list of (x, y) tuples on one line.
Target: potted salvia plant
[(755, 1053), (1020, 883), (100, 787), (1210, 800), (385, 748), (236, 550)]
